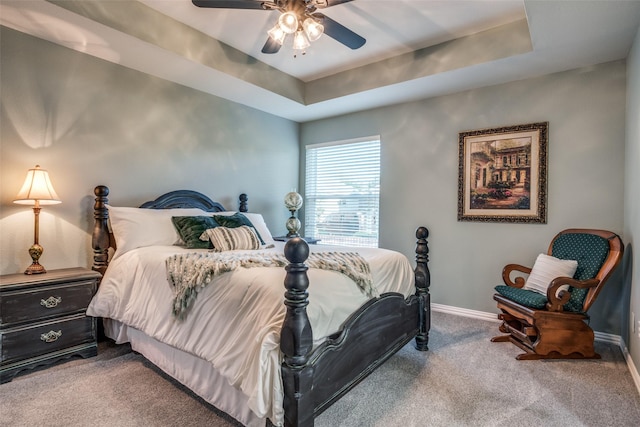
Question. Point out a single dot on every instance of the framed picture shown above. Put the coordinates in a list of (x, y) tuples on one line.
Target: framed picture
[(502, 174)]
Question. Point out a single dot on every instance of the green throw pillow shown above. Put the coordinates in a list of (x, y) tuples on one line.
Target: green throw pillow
[(190, 228), (236, 220)]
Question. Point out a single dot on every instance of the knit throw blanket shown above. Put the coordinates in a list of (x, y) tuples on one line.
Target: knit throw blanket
[(189, 273)]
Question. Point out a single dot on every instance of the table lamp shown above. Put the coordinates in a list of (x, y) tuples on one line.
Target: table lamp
[(36, 190)]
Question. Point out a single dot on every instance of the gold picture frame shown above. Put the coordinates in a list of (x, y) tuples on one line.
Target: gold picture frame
[(502, 174)]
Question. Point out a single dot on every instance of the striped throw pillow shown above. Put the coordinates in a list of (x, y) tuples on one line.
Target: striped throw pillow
[(547, 268), (229, 239)]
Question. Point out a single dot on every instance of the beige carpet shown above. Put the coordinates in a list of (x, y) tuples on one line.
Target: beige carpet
[(464, 380)]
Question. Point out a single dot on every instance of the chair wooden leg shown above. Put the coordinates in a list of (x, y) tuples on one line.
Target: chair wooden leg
[(516, 331), (502, 328), (501, 338), (529, 355)]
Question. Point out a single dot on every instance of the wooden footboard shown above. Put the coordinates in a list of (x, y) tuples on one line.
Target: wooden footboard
[(313, 380)]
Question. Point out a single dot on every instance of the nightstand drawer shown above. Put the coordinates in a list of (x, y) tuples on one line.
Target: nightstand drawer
[(46, 337), (28, 304)]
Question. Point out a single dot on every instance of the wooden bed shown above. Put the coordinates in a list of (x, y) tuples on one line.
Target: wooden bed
[(313, 379)]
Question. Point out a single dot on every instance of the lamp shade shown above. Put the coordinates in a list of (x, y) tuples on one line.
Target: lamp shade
[(312, 29), (300, 41), (277, 34), (37, 188), (288, 22)]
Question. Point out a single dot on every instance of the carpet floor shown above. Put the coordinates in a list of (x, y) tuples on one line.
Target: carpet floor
[(463, 380)]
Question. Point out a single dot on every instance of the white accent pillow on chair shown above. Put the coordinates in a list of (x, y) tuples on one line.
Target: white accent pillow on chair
[(547, 268)]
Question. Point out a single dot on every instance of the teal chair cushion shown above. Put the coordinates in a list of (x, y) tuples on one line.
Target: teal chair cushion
[(524, 297), (588, 249)]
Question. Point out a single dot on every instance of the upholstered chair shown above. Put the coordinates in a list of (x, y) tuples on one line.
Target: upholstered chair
[(544, 309)]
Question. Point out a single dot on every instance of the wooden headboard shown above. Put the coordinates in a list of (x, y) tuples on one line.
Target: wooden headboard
[(102, 239)]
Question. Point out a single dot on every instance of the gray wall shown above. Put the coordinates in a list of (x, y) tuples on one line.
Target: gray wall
[(585, 109), (632, 204), (90, 122)]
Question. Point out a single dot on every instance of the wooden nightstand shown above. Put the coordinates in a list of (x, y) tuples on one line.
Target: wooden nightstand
[(309, 240), (42, 319)]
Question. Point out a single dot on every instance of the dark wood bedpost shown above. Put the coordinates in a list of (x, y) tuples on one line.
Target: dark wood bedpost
[(100, 239), (423, 281), (243, 203), (296, 338)]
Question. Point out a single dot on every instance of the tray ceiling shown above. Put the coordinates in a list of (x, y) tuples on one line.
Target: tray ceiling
[(415, 48)]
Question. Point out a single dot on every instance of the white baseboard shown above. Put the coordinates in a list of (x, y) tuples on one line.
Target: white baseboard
[(464, 312), (630, 364), (608, 338), (599, 336)]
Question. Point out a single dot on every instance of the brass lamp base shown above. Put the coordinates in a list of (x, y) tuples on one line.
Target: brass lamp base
[(35, 268)]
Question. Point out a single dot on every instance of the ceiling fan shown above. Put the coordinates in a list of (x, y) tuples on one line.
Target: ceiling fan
[(298, 17)]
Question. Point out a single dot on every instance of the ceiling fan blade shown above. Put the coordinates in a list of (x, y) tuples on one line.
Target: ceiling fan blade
[(340, 33), (230, 4), (271, 46), (322, 4)]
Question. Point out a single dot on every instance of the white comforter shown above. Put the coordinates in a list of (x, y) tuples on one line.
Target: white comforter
[(235, 321)]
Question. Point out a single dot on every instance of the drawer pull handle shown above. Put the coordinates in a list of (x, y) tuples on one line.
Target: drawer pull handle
[(51, 336), (50, 302)]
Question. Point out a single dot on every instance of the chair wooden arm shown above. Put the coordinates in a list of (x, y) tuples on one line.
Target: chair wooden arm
[(518, 281), (558, 299)]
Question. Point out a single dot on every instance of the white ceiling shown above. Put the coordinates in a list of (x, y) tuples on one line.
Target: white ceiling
[(415, 48), (391, 27)]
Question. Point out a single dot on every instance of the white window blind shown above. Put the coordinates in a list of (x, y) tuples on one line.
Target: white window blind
[(342, 192)]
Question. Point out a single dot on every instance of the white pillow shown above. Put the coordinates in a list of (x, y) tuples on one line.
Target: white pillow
[(258, 223), (137, 227), (547, 268), (230, 239)]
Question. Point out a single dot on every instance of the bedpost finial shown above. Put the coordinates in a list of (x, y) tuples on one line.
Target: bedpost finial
[(422, 233), (296, 250), (101, 191), (243, 207)]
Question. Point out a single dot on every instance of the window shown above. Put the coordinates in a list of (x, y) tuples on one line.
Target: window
[(342, 192)]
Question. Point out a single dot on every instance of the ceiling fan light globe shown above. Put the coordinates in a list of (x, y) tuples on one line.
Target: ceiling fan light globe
[(312, 29), (300, 41), (288, 22), (277, 34)]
